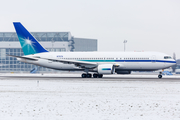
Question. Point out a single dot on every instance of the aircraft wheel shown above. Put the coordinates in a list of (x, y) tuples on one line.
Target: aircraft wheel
[(100, 75), (159, 76), (89, 75), (95, 75), (83, 75)]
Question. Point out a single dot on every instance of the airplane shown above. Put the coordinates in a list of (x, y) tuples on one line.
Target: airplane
[(98, 63)]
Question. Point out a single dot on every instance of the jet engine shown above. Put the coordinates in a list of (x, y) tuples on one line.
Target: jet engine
[(106, 69)]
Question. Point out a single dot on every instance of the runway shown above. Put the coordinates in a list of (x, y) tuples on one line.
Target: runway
[(68, 96), (77, 77)]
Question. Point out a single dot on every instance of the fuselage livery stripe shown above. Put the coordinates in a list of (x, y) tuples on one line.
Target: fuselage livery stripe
[(106, 68)]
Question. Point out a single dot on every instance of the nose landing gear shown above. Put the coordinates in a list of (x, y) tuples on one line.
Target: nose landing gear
[(160, 75)]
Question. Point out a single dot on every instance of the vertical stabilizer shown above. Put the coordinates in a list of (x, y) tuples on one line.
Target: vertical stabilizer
[(28, 43)]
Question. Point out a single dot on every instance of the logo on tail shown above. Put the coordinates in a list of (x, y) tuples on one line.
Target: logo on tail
[(28, 43)]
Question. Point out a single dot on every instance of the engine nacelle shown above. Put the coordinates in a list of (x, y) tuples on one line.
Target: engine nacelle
[(123, 72), (106, 69)]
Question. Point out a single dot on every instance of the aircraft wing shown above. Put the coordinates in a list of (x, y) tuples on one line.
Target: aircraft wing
[(81, 64)]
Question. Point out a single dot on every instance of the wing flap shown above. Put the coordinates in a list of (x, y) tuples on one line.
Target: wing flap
[(81, 64)]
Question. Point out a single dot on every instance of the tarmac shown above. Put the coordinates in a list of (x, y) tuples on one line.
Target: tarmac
[(77, 77)]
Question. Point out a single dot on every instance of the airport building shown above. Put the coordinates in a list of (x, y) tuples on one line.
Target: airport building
[(52, 41)]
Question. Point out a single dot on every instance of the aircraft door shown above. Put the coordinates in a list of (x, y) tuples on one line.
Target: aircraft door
[(153, 59), (49, 61)]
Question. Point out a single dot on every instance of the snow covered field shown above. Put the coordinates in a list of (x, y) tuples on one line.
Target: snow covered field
[(89, 99)]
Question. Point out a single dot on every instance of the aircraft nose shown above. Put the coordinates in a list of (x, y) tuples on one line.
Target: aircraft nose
[(174, 62)]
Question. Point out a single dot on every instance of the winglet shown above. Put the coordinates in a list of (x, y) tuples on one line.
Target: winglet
[(28, 43)]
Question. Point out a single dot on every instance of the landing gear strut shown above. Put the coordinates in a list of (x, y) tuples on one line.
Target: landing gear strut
[(160, 75)]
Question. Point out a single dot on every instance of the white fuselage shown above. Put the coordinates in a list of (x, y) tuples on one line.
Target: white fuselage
[(131, 61)]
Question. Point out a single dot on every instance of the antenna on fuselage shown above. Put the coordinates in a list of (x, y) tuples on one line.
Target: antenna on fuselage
[(125, 41)]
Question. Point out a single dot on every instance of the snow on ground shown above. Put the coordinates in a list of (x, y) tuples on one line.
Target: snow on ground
[(87, 99)]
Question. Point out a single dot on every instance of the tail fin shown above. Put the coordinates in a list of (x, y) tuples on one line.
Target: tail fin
[(28, 43)]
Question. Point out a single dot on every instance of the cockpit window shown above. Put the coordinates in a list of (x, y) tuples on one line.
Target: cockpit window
[(167, 57)]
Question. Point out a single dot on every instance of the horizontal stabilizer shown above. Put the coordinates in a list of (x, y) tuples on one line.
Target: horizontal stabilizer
[(27, 58)]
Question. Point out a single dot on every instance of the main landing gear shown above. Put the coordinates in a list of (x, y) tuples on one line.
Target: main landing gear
[(160, 75), (88, 75)]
